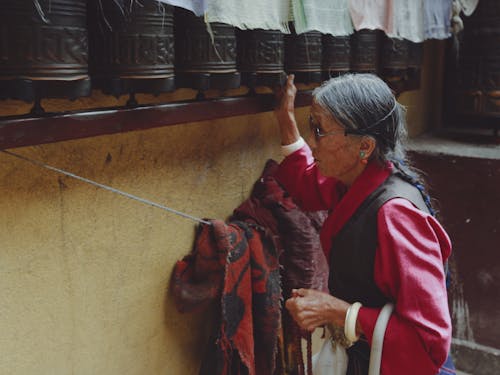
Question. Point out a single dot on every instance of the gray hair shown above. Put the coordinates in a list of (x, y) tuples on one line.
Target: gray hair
[(365, 105)]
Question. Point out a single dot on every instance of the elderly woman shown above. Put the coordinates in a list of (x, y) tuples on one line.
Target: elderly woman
[(381, 239)]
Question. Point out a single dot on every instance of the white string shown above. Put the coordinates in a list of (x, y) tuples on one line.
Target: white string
[(105, 187)]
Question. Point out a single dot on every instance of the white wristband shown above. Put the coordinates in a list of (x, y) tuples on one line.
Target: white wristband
[(292, 147), (350, 322)]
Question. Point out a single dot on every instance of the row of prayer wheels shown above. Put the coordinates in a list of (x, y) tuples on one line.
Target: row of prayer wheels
[(63, 48), (475, 76)]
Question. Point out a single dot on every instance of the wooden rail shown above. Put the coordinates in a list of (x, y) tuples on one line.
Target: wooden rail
[(27, 130)]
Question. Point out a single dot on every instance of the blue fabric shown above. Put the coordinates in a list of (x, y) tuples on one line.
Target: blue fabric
[(448, 367)]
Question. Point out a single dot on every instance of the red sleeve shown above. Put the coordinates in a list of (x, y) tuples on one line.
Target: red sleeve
[(300, 177), (409, 270)]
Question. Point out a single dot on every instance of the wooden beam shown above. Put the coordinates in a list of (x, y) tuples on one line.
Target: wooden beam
[(20, 131)]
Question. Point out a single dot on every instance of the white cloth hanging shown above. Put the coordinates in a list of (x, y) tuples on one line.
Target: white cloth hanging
[(372, 14), (437, 19), (408, 20), (253, 14), (198, 7), (327, 16)]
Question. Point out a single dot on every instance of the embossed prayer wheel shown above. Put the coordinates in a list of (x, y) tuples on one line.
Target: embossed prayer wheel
[(415, 63), (473, 84), (205, 55), (336, 55), (261, 56), (131, 46), (394, 62), (303, 56), (488, 33), (365, 51), (43, 49)]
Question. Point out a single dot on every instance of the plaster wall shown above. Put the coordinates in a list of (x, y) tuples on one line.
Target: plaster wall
[(84, 272)]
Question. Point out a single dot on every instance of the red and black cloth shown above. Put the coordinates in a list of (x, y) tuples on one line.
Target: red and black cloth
[(249, 266)]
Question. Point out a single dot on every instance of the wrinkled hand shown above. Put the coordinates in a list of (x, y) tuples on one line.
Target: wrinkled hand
[(285, 111), (311, 308)]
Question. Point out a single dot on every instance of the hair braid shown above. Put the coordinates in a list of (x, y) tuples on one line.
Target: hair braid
[(412, 177)]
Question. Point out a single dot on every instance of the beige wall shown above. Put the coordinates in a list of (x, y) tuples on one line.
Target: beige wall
[(84, 272)]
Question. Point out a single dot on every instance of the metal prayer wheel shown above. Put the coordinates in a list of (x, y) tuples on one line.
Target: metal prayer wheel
[(336, 55), (365, 51), (303, 56), (394, 62), (131, 46), (488, 34), (478, 73), (261, 56), (43, 49), (205, 54)]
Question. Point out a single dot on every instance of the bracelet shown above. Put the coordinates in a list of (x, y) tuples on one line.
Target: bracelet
[(292, 147), (350, 322)]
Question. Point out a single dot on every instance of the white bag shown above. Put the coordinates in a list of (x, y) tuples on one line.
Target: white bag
[(331, 359)]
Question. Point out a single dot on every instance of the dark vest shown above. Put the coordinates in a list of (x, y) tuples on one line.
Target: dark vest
[(352, 257)]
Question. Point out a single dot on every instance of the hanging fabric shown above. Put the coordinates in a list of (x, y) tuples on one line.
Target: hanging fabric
[(372, 15), (408, 20), (327, 16), (255, 14), (198, 7), (437, 19)]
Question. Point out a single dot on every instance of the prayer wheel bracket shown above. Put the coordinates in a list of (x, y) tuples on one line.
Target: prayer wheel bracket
[(29, 130)]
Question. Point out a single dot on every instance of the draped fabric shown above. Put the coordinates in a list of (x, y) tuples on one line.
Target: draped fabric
[(372, 15), (239, 265), (326, 16), (437, 15), (255, 14), (408, 20), (198, 7)]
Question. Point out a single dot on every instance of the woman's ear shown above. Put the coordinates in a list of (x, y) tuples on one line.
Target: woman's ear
[(367, 146)]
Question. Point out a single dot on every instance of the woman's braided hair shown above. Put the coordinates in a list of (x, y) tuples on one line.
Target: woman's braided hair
[(365, 105)]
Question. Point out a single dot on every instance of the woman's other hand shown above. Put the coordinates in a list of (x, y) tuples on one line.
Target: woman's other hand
[(312, 308), (285, 112)]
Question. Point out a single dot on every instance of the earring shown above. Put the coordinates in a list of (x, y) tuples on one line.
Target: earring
[(362, 157)]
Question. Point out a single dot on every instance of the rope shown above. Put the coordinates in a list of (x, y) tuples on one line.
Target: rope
[(105, 187)]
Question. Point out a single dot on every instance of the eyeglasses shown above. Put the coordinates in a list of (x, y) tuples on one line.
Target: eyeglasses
[(316, 130)]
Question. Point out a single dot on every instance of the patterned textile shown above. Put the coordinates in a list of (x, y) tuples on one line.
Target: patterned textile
[(239, 264), (327, 16)]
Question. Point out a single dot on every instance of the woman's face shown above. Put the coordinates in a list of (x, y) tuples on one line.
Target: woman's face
[(336, 154)]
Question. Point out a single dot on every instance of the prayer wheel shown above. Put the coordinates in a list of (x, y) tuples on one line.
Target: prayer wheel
[(415, 62), (488, 12), (43, 49), (261, 56), (205, 53), (476, 79), (394, 62), (131, 46), (336, 55), (365, 51), (303, 56)]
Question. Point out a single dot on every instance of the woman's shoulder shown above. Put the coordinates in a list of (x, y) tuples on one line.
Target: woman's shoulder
[(398, 218)]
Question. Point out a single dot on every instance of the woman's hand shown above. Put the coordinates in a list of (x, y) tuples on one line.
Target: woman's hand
[(312, 308), (285, 112)]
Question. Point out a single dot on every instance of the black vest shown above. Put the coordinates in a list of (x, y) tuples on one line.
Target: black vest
[(352, 258)]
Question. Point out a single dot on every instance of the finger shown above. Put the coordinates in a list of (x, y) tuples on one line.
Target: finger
[(302, 292)]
